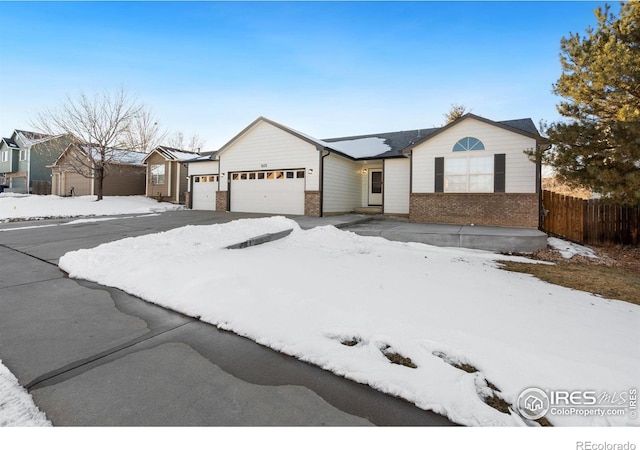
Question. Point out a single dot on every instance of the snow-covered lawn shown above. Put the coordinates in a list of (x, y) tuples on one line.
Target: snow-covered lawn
[(23, 206), (341, 301), (570, 249), (16, 405)]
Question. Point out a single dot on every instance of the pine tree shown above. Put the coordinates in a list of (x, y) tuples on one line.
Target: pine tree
[(598, 147)]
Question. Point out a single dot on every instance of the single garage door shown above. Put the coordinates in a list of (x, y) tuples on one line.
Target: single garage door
[(204, 192), (271, 192)]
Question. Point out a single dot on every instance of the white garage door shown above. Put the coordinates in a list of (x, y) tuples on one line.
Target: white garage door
[(204, 192), (272, 191)]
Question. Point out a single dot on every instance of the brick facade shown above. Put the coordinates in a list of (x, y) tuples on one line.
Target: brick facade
[(221, 200), (506, 210), (312, 203)]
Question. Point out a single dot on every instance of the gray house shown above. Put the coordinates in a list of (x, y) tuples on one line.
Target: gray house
[(24, 158)]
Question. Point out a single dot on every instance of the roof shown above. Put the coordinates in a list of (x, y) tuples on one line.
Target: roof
[(390, 144), (524, 127), (172, 154), (10, 142), (31, 137), (115, 156), (396, 142), (203, 157), (387, 145)]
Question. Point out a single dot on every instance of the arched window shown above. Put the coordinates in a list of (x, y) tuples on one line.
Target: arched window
[(468, 143)]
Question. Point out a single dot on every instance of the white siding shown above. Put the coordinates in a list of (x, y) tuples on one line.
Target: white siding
[(203, 168), (267, 147), (342, 184), (396, 186), (520, 171)]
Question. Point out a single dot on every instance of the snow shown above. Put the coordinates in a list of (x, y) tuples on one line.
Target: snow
[(184, 156), (16, 405), (116, 155), (22, 206), (569, 249), (304, 294), (361, 148)]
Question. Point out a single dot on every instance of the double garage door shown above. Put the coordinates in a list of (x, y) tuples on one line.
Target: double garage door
[(268, 191)]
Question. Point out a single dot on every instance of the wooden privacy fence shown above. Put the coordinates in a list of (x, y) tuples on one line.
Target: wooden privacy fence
[(41, 187), (590, 221)]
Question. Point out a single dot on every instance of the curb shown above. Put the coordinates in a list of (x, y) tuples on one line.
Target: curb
[(262, 239), (355, 222)]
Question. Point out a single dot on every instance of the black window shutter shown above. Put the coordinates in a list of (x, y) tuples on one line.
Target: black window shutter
[(439, 187), (499, 164)]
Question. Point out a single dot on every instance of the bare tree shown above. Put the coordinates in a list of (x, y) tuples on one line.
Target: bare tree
[(455, 113), (103, 125), (144, 133), (179, 141)]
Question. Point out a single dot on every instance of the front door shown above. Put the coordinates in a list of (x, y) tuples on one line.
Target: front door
[(375, 187)]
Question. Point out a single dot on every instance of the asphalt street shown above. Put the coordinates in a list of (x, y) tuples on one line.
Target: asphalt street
[(96, 356)]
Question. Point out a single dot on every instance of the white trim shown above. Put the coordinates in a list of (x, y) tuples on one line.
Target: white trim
[(168, 181), (178, 184)]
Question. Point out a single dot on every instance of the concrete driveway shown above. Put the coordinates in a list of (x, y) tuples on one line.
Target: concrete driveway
[(93, 355)]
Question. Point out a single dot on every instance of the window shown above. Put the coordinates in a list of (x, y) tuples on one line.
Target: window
[(196, 179), (157, 173), (213, 178), (289, 174), (470, 174), (252, 176), (300, 174), (467, 144), (23, 155), (243, 176), (5, 156), (260, 175)]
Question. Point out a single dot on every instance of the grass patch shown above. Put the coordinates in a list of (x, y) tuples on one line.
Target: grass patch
[(497, 403), (544, 422), (620, 283), (466, 367), (397, 358), (350, 342)]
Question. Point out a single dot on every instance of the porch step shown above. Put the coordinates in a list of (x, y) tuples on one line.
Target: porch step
[(368, 210)]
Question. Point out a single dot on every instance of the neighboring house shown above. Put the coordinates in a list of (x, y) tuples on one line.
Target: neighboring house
[(166, 174), (473, 170), (24, 160), (72, 172)]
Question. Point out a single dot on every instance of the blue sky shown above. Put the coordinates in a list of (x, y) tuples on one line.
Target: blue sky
[(328, 69)]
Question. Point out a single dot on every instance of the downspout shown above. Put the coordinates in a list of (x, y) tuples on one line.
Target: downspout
[(28, 161), (410, 180), (321, 181), (190, 205), (383, 189)]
